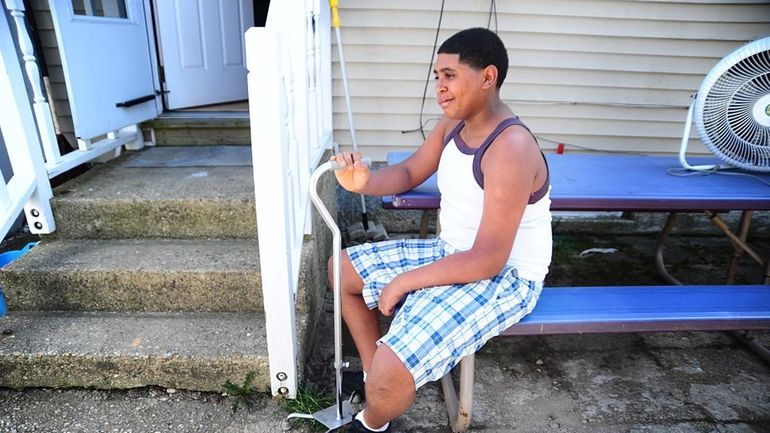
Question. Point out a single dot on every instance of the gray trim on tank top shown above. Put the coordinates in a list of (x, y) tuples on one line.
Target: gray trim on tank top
[(478, 153)]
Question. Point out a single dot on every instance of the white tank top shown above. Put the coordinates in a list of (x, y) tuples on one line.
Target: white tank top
[(462, 203)]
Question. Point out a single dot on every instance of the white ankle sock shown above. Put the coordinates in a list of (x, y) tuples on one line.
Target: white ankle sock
[(360, 417)]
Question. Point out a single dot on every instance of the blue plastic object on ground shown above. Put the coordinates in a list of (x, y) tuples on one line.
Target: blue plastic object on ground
[(5, 259)]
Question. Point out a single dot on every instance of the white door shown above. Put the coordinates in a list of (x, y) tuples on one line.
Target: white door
[(105, 54), (202, 50)]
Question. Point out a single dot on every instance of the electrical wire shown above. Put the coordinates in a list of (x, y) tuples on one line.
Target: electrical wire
[(430, 72), (683, 172), (422, 125), (590, 149), (492, 13), (597, 104), (492, 7)]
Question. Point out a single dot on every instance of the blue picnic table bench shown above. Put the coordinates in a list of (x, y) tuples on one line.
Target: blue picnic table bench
[(630, 183)]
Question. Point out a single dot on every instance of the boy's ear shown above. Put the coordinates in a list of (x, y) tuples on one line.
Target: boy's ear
[(490, 77)]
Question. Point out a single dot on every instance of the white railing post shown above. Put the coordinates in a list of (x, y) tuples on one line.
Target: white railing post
[(288, 135), (41, 107), (270, 138), (324, 30)]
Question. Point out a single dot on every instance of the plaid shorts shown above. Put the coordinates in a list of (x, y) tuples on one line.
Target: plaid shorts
[(436, 327)]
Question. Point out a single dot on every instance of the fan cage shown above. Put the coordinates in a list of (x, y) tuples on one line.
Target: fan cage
[(732, 108)]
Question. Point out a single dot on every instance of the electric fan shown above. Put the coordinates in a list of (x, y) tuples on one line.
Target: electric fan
[(732, 110)]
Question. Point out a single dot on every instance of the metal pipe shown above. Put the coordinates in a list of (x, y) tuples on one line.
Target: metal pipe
[(336, 23)]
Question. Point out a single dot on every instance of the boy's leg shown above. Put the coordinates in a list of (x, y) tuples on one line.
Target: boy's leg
[(390, 388), (362, 322)]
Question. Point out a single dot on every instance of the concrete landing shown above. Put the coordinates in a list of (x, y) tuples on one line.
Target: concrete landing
[(184, 202)]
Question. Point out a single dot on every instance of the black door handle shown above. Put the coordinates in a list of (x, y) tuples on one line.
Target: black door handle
[(136, 101)]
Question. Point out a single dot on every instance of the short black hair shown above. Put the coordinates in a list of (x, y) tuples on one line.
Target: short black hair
[(478, 48)]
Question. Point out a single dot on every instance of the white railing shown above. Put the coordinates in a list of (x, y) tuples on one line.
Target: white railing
[(289, 63), (39, 136), (28, 188)]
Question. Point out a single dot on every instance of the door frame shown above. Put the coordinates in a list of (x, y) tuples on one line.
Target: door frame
[(153, 47)]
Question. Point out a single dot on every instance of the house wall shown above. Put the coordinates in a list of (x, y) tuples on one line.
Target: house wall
[(600, 74)]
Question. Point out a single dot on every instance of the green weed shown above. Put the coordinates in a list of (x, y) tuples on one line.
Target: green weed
[(309, 400), (243, 394)]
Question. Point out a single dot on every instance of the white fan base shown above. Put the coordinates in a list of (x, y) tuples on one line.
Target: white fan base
[(686, 141)]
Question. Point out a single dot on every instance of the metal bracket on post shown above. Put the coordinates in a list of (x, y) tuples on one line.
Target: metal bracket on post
[(38, 211)]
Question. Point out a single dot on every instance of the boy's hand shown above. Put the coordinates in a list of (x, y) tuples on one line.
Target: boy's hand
[(353, 174), (390, 297)]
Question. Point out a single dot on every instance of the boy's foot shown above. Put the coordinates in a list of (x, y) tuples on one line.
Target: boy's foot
[(357, 427)]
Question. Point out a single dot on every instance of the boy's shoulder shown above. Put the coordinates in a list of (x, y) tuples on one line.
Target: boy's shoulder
[(515, 143)]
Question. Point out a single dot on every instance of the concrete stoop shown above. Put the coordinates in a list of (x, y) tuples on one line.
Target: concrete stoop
[(152, 278)]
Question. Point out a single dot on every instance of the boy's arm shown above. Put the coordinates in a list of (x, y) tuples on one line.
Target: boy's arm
[(510, 168), (397, 178)]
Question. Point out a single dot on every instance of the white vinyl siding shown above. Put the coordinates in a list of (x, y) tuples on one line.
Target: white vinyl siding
[(604, 74)]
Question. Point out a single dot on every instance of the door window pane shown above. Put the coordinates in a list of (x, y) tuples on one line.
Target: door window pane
[(100, 8)]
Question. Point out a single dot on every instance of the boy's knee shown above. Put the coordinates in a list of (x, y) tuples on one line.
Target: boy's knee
[(349, 278), (388, 376)]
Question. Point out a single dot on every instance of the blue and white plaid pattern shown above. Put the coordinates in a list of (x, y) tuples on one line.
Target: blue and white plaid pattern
[(436, 327)]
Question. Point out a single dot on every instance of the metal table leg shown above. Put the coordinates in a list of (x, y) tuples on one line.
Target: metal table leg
[(424, 220), (738, 243), (740, 246), (460, 412), (747, 339), (743, 233), (659, 262)]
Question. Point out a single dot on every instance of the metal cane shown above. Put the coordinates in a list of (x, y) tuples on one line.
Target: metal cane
[(340, 414)]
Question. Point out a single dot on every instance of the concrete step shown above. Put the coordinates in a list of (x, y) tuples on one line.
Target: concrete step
[(199, 129), (136, 275), (197, 351), (161, 193)]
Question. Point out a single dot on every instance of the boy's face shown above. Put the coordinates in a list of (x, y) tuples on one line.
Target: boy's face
[(459, 87)]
